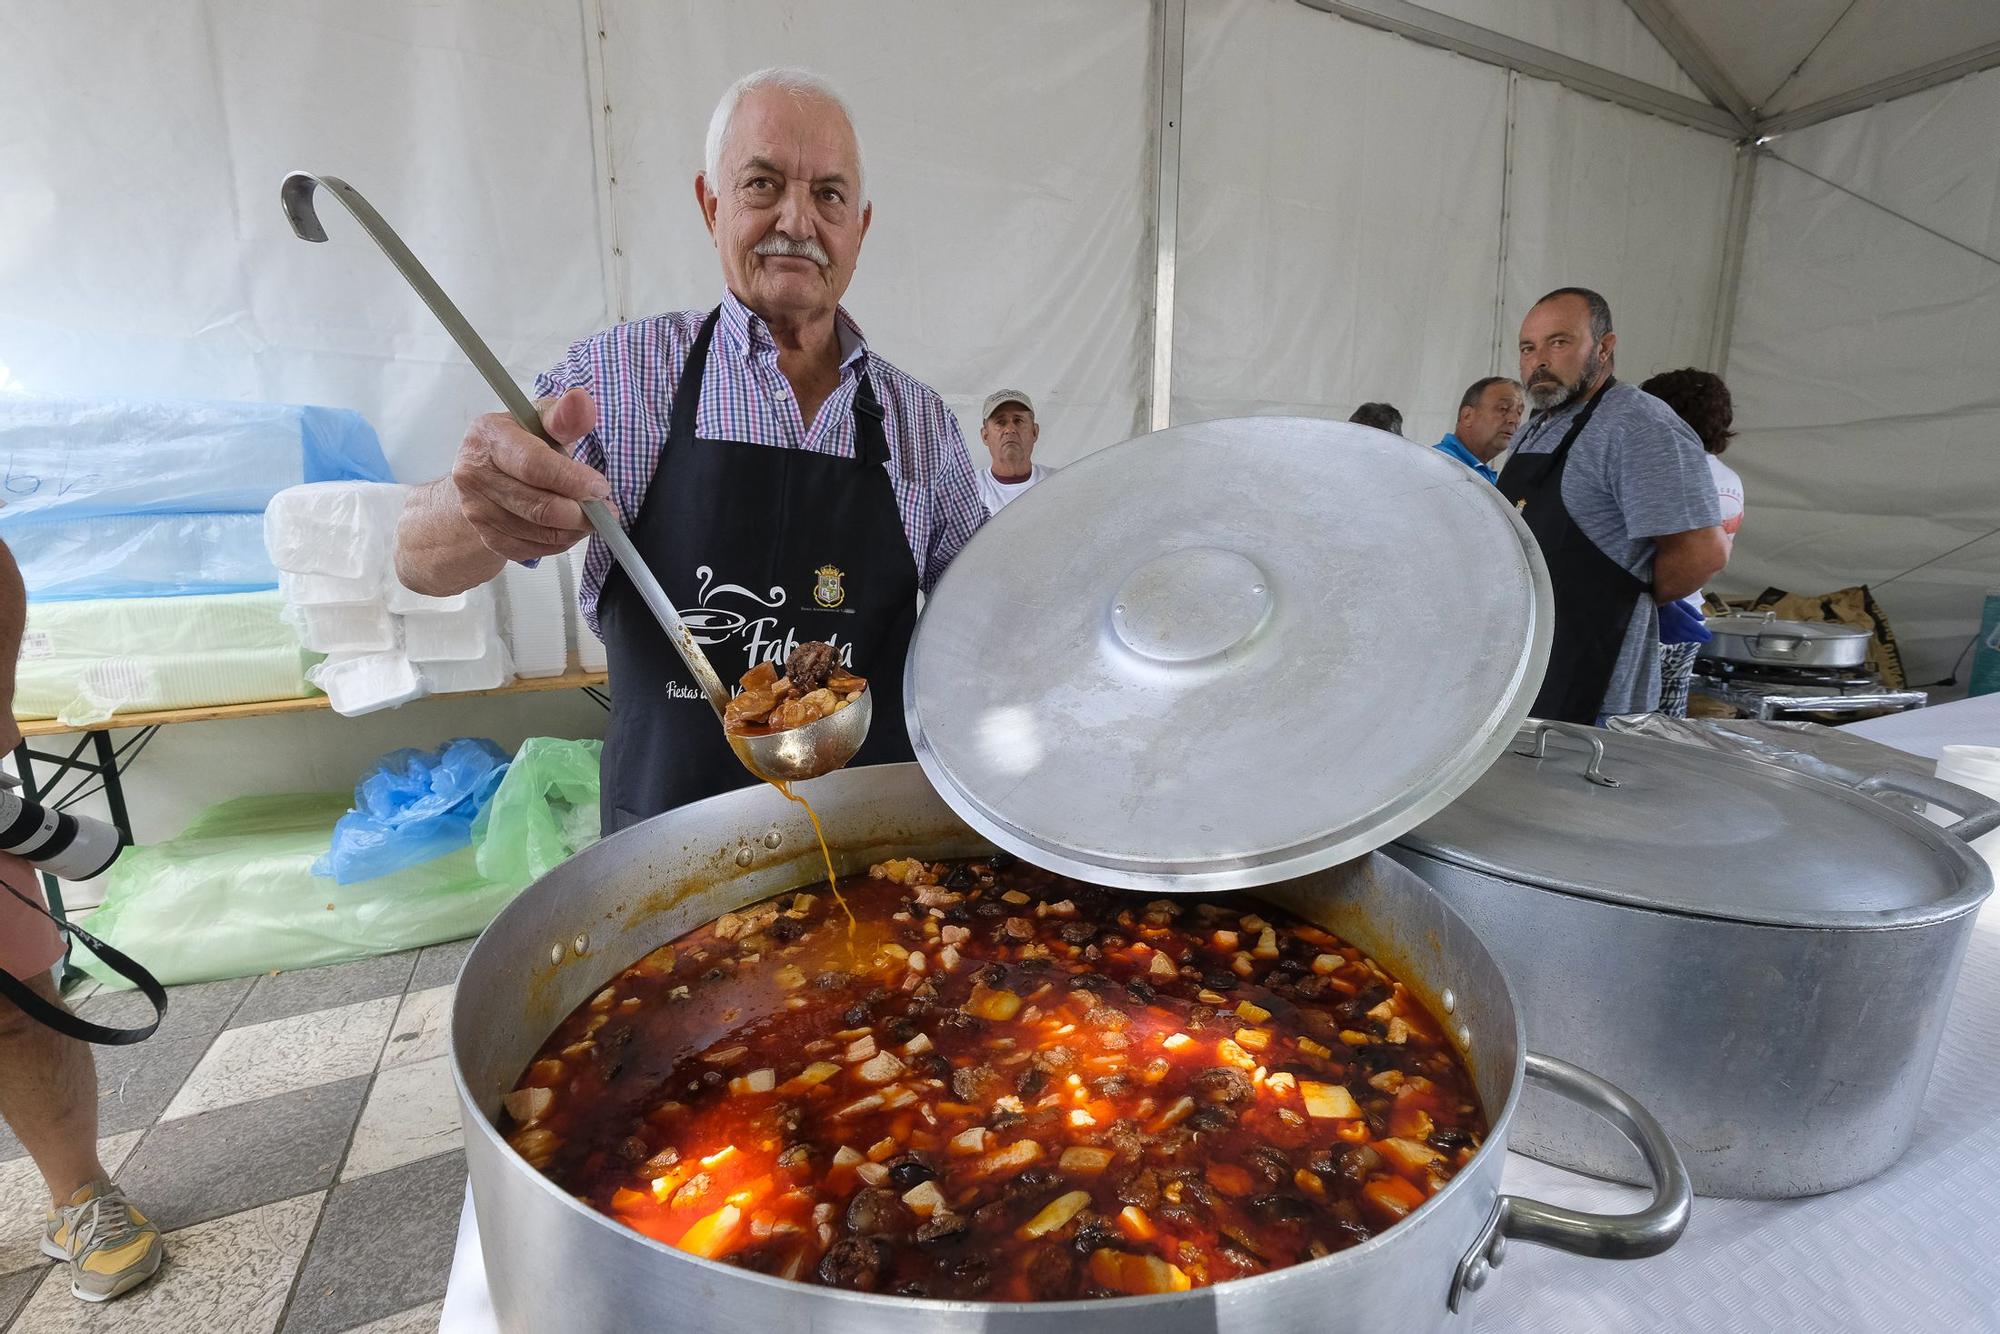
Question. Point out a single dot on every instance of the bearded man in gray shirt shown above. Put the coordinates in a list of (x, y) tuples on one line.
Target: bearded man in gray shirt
[(1617, 492)]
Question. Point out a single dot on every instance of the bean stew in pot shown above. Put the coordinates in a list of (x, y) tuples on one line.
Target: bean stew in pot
[(1004, 1086)]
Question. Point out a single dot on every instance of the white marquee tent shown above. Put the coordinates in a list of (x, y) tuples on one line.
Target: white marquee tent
[(1139, 210)]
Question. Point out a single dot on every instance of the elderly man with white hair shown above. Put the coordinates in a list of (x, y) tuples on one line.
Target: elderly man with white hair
[(783, 481)]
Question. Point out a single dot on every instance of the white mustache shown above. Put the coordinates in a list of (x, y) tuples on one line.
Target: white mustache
[(784, 247)]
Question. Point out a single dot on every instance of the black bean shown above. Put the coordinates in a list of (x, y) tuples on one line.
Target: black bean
[(714, 975), (1077, 933), (1032, 1081), (787, 929), (1449, 1139), (1000, 861), (993, 975), (1281, 1208), (907, 1171), (1140, 990), (991, 908), (856, 1016), (1219, 979)]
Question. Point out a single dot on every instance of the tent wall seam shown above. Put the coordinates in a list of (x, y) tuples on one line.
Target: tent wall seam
[(597, 37)]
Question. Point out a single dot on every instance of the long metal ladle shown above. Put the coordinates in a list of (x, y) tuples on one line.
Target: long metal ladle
[(792, 755)]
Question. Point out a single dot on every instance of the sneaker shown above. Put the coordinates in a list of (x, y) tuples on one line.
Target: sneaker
[(109, 1245)]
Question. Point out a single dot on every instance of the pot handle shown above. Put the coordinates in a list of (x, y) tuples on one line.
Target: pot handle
[(1601, 1236), (1538, 733), (1978, 814)]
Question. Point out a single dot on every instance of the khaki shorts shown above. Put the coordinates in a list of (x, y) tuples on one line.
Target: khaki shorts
[(29, 942)]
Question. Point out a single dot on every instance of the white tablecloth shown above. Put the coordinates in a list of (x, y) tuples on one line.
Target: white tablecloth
[(1917, 1248), (1974, 721)]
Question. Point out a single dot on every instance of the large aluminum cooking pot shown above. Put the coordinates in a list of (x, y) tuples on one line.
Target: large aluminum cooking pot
[(1763, 957), (555, 1264), (1759, 639)]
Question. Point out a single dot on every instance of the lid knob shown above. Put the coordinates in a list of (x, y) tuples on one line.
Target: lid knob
[(1187, 605)]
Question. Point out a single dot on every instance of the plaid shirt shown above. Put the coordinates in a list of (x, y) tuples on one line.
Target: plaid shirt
[(632, 371)]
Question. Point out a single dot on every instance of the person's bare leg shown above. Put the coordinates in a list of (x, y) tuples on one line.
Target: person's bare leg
[(48, 1095)]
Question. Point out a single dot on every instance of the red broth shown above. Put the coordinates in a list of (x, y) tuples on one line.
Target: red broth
[(1004, 1086)]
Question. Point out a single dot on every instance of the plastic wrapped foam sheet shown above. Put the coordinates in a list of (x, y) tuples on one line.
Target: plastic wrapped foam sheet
[(78, 458), (86, 661), (140, 555), (346, 529)]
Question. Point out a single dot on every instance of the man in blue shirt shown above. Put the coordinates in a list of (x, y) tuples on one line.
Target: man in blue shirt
[(1488, 414)]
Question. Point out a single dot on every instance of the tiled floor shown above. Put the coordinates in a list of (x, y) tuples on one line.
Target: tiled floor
[(297, 1139)]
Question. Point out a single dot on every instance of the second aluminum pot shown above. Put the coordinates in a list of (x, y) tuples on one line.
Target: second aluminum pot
[(1761, 957), (555, 1264)]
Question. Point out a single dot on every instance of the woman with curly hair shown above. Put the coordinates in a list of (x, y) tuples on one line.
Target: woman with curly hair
[(1700, 399)]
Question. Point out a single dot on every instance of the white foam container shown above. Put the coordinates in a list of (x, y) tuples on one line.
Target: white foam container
[(339, 528), (583, 642), (363, 628), (328, 590), (358, 683), (489, 671), (467, 634), (532, 620)]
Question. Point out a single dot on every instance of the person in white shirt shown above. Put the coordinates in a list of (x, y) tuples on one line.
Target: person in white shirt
[(1007, 426), (1700, 399)]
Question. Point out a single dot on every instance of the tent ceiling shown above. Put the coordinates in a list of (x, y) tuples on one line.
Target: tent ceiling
[(1787, 57), (1763, 67)]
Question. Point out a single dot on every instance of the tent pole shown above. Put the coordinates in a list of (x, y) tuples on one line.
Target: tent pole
[(1694, 59), (1469, 39), (1506, 225), (1729, 281), (1169, 63)]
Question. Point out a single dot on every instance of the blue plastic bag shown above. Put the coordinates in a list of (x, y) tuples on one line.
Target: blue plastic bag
[(414, 806)]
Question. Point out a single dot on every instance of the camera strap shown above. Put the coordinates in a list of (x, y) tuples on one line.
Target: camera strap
[(61, 1020)]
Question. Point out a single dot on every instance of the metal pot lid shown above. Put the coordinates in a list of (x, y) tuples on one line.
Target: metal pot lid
[(1753, 624), (1225, 654), (1685, 829)]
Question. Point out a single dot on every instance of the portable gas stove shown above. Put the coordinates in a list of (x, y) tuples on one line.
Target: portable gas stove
[(1809, 694)]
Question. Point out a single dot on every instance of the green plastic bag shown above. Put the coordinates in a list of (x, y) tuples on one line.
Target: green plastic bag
[(235, 895), (544, 812)]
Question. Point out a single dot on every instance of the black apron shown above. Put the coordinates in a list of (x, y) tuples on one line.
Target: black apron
[(1594, 594), (761, 549)]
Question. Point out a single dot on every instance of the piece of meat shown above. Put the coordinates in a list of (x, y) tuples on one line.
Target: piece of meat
[(854, 1262), (1221, 1087), (977, 1083), (875, 1210), (809, 665)]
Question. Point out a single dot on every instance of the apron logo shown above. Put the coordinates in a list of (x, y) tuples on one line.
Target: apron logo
[(827, 591)]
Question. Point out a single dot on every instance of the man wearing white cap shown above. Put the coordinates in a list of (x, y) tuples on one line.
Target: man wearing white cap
[(1007, 425)]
